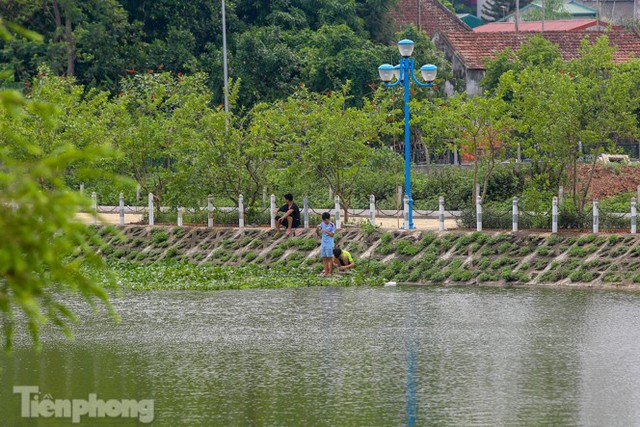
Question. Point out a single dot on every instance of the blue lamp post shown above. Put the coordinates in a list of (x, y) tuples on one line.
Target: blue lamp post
[(403, 73)]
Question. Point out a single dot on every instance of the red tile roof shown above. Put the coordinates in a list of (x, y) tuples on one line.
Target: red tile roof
[(474, 48), (553, 25), (429, 16)]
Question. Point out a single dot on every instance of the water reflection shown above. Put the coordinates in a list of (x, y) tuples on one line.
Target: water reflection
[(392, 356)]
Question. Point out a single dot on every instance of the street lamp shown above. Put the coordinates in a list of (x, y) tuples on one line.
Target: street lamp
[(403, 73)]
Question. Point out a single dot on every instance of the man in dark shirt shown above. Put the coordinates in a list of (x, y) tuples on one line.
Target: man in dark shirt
[(288, 215)]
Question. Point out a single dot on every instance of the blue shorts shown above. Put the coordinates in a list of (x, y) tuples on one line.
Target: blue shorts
[(326, 252)]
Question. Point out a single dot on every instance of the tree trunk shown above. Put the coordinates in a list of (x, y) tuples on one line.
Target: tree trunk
[(71, 56), (585, 188), (345, 207), (475, 177), (57, 18)]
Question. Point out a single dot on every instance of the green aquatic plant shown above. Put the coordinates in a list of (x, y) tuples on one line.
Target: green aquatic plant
[(179, 275)]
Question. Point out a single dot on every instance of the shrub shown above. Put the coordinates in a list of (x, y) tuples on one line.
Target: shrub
[(120, 253), (500, 262), (386, 238), (405, 247), (367, 228), (611, 277), (159, 236), (305, 244), (589, 238), (513, 276), (461, 275), (554, 239), (171, 253), (541, 264), (277, 253), (577, 251), (249, 256), (487, 277)]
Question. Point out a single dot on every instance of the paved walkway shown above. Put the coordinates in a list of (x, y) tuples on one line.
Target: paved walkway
[(387, 223)]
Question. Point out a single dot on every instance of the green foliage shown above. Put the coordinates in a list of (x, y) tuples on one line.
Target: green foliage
[(323, 43), (368, 228), (179, 275), (406, 247), (276, 253), (513, 276), (44, 249), (159, 236), (171, 253)]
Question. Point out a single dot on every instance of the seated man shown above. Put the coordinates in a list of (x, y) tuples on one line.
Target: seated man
[(288, 215), (343, 259)]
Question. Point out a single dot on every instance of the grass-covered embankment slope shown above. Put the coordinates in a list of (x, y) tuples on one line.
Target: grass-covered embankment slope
[(156, 257)]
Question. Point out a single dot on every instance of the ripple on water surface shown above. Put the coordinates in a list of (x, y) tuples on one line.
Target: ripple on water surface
[(352, 356)]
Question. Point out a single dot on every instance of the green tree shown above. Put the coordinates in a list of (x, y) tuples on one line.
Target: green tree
[(44, 249), (536, 52), (92, 40), (222, 154), (320, 137), (553, 9), (567, 114), (149, 132)]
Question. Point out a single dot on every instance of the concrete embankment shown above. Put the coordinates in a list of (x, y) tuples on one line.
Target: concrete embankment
[(487, 258)]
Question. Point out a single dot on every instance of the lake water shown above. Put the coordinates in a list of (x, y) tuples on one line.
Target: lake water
[(348, 357)]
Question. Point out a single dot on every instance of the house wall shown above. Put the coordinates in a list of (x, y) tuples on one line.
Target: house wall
[(470, 78), (615, 11), (473, 79), (479, 6)]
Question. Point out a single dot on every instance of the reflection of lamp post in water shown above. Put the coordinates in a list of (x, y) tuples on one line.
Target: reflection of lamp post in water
[(403, 73)]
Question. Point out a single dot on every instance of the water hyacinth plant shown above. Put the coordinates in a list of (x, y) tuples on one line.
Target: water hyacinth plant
[(177, 275)]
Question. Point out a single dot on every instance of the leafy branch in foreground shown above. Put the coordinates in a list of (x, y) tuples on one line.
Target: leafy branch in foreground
[(43, 246)]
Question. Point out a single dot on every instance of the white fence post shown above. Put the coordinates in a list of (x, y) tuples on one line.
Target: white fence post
[(596, 217), (633, 215), (337, 210), (94, 206), (405, 212), (554, 215), (241, 211), (180, 212), (441, 213), (209, 211), (560, 195), (478, 213), (372, 209), (272, 211), (121, 209), (515, 215), (305, 212), (151, 220)]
